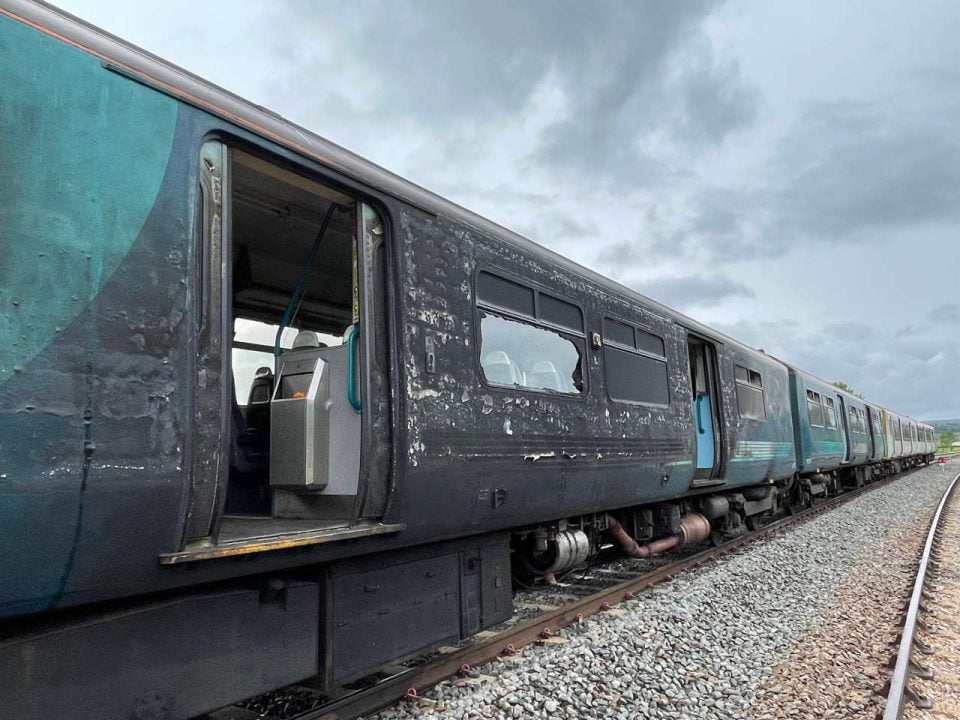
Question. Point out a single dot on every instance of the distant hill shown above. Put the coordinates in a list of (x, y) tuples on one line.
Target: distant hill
[(944, 425)]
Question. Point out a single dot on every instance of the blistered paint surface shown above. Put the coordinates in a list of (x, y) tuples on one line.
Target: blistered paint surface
[(540, 453), (83, 153)]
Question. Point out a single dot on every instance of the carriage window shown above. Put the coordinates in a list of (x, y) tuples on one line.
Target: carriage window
[(632, 377), (498, 292), (635, 365), (252, 355), (618, 332), (517, 354), (560, 313), (527, 352), (648, 342), (829, 413), (814, 408), (749, 393)]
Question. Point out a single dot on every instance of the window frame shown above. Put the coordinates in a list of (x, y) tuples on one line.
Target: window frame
[(748, 383), (817, 400), (579, 340), (616, 345), (833, 411)]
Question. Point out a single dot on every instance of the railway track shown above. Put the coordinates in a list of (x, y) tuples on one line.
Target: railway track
[(540, 615), (918, 664)]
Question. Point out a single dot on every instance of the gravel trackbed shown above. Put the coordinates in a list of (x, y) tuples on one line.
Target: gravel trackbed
[(796, 627)]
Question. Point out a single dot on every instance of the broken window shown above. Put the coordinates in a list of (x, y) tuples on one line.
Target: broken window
[(539, 348), (522, 355)]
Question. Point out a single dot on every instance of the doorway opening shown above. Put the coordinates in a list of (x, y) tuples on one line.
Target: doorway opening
[(706, 406), (286, 308)]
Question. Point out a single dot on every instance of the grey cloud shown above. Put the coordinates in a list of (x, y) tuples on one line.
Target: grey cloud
[(846, 172), (904, 372), (626, 71), (692, 290), (857, 168), (949, 313), (441, 60), (715, 99), (636, 94), (848, 330), (621, 254)]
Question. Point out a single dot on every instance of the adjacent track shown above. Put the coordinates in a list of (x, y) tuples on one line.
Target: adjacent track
[(410, 682), (906, 664)]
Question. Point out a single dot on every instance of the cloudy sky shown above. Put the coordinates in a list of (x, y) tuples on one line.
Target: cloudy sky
[(786, 172)]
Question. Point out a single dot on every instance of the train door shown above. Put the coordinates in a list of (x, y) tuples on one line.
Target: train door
[(847, 430), (292, 362), (705, 408), (872, 434)]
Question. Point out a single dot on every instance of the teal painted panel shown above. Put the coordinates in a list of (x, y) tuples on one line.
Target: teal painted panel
[(828, 447), (82, 154)]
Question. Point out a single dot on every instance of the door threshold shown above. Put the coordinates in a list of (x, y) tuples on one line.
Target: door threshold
[(278, 541), (707, 482)]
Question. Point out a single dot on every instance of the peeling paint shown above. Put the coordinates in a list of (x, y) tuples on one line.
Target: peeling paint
[(533, 457)]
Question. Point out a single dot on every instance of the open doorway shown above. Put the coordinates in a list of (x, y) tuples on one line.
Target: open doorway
[(703, 379), (296, 257)]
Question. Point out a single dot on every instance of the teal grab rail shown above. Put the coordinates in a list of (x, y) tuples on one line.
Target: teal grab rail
[(293, 305), (352, 395)]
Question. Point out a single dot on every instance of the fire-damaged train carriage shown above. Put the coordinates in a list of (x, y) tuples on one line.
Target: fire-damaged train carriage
[(269, 413)]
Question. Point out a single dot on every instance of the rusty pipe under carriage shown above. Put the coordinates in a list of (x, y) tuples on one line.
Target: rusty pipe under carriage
[(694, 527)]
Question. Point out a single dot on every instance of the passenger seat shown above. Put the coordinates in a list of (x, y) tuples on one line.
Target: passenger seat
[(500, 370), (258, 401), (544, 375)]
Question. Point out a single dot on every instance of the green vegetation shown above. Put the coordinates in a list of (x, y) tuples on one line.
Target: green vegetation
[(945, 425), (946, 439), (843, 386)]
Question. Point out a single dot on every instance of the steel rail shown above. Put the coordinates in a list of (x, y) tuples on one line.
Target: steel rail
[(899, 682), (410, 683)]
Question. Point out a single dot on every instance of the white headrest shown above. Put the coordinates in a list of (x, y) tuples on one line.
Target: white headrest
[(544, 366), (306, 338), (497, 357)]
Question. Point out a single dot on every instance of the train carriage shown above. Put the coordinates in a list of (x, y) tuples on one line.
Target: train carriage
[(270, 412), (821, 441)]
